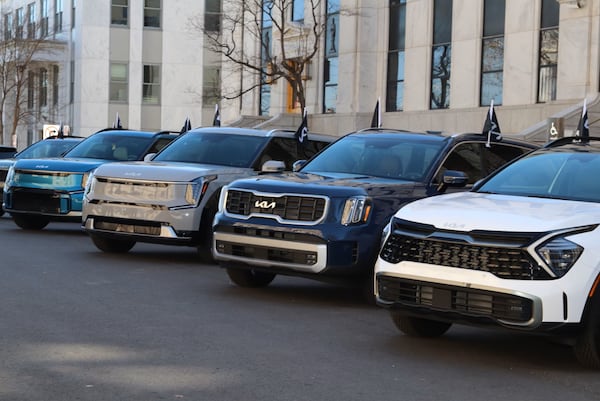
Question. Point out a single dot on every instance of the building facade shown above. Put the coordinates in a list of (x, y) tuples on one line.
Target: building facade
[(439, 64), (142, 60)]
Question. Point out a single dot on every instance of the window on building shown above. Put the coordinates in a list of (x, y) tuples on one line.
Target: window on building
[(330, 89), (119, 87), (31, 18), (298, 10), (441, 54), (151, 86), (119, 12), (20, 23), (492, 52), (211, 85), (212, 15), (43, 98), (8, 26), (395, 67), (45, 18), (30, 90), (72, 82), (55, 83), (265, 55), (58, 15), (152, 13), (548, 51)]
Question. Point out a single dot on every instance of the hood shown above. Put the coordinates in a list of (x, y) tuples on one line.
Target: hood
[(334, 184), (60, 164), (163, 171), (6, 163), (469, 211)]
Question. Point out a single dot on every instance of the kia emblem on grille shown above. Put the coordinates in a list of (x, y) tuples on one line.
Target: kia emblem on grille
[(264, 204)]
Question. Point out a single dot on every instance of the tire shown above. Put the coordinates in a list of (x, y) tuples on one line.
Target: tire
[(28, 222), (417, 327), (250, 278), (587, 344), (110, 245), (206, 230)]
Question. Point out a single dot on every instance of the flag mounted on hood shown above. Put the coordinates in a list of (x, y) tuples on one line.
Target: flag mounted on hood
[(187, 125), (117, 123), (376, 120), (583, 128), (217, 117), (302, 131), (491, 128)]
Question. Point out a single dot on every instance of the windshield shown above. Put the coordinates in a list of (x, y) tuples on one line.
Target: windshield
[(213, 148), (46, 148), (390, 156), (111, 146), (554, 174)]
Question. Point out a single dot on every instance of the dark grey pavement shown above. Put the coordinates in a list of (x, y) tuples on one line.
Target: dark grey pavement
[(77, 324)]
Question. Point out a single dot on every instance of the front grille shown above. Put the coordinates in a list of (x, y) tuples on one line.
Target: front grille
[(128, 227), (466, 301), (266, 253), (504, 260), (288, 207), (36, 201)]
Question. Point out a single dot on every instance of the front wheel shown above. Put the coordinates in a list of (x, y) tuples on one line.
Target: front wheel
[(587, 345), (249, 277), (417, 327), (27, 222), (112, 245)]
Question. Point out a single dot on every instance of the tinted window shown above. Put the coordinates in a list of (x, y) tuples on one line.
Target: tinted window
[(214, 148), (111, 146), (379, 156), (289, 150), (47, 148), (562, 175)]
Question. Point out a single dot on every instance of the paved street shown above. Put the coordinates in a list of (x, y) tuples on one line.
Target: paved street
[(77, 324)]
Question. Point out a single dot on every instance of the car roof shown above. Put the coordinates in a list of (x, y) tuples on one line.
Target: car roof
[(575, 143), (282, 133), (441, 136)]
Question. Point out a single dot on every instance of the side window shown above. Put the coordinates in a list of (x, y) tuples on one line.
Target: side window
[(158, 145), (465, 157), (498, 155), (288, 150)]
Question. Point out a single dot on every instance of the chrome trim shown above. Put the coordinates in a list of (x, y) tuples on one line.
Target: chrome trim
[(166, 231), (319, 249)]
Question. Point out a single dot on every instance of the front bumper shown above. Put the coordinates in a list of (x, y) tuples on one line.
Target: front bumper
[(45, 202), (469, 296)]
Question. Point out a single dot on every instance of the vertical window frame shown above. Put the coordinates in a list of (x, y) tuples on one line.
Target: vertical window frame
[(58, 15), (492, 39), (151, 20), (118, 85), (548, 58), (119, 12), (151, 85), (396, 56), (441, 55)]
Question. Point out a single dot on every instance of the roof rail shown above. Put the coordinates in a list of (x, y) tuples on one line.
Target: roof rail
[(570, 139)]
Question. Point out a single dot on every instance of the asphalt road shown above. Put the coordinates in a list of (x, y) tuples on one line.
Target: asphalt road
[(153, 324)]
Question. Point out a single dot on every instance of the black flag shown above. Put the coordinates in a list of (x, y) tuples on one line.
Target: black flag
[(376, 120), (583, 128), (187, 125), (302, 131), (491, 126), (61, 131), (217, 117), (117, 123)]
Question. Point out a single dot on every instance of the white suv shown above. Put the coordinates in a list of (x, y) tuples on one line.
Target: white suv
[(521, 250)]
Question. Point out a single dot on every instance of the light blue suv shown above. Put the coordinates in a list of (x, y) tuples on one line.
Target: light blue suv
[(37, 191)]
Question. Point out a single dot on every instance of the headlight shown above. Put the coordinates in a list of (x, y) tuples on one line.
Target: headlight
[(384, 233), (196, 189), (223, 199), (88, 181), (559, 254), (356, 210), (10, 176)]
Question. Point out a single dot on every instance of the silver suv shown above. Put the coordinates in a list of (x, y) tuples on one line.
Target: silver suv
[(173, 198)]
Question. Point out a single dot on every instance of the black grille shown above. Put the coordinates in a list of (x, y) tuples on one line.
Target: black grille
[(3, 174), (466, 301), (288, 207), (267, 253), (500, 253), (127, 227), (35, 201)]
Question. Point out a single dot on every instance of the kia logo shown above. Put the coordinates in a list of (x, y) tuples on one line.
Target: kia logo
[(264, 204)]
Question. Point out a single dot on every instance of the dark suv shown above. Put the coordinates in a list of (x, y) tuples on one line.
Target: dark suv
[(325, 220)]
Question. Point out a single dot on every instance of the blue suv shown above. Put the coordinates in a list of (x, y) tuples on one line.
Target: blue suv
[(325, 221), (37, 191)]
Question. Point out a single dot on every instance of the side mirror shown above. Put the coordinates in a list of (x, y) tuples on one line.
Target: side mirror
[(298, 164), (149, 157), (273, 166), (454, 179)]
